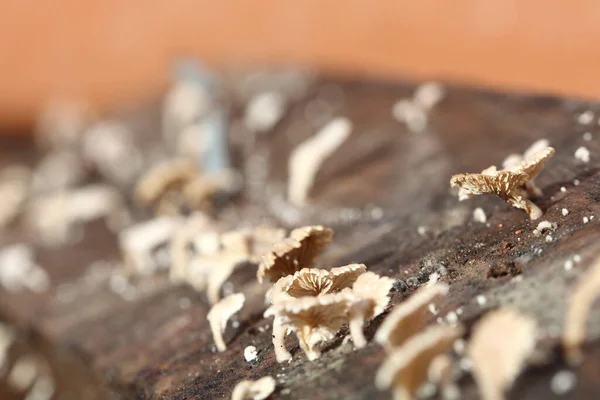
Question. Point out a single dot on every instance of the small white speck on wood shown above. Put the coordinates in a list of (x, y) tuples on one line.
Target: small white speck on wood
[(582, 154), (479, 215), (565, 212), (586, 117), (250, 353), (563, 382)]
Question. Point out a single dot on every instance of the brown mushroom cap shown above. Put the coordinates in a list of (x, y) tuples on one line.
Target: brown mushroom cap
[(298, 251)]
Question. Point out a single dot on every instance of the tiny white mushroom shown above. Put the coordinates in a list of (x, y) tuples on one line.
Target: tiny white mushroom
[(306, 159), (220, 313), (565, 212)]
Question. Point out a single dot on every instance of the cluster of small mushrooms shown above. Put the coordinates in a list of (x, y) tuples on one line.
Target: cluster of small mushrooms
[(313, 303)]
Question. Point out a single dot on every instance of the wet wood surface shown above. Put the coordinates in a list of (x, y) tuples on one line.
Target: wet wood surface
[(386, 195)]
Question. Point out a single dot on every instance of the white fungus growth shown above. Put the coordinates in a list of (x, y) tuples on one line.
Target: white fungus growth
[(544, 227), (452, 318), (479, 215), (563, 382), (565, 212), (548, 239), (306, 159), (582, 154), (563, 189), (586, 220), (432, 309), (220, 313), (254, 390), (263, 111), (586, 117), (250, 353), (587, 136), (577, 258)]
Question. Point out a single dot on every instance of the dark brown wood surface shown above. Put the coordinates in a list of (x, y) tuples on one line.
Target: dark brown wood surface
[(375, 192)]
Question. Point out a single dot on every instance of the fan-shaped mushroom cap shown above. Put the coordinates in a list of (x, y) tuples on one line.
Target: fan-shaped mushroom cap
[(408, 317), (513, 184), (500, 344), (406, 368), (220, 313), (297, 251), (371, 292)]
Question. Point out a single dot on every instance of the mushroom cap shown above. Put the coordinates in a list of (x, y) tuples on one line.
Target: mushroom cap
[(502, 183), (326, 313), (408, 317), (405, 369), (373, 289), (315, 281), (534, 162), (297, 251), (500, 344)]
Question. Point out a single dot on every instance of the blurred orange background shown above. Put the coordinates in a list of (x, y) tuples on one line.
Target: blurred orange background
[(115, 52)]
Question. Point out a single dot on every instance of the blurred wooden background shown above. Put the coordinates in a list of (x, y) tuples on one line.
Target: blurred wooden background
[(115, 52)]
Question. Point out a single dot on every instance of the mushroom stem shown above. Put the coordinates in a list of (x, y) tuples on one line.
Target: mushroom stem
[(279, 334), (532, 190), (356, 331), (534, 211), (304, 339)]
